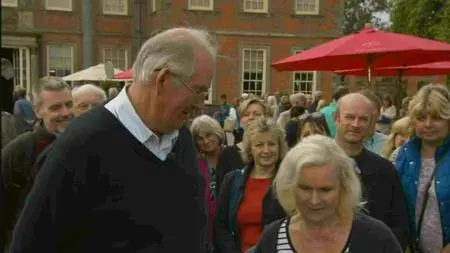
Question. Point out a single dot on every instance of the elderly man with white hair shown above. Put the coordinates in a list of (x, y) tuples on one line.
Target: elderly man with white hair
[(86, 97), (298, 102), (124, 177)]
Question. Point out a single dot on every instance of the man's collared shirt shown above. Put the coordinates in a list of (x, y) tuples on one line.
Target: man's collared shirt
[(124, 111), (376, 142)]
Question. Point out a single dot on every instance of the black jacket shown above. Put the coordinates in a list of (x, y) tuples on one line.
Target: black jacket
[(383, 192), (230, 197), (229, 160)]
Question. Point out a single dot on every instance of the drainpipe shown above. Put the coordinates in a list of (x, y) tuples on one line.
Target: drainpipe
[(87, 33), (139, 6)]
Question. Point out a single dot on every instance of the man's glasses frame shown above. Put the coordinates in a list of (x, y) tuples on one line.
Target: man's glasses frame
[(198, 94)]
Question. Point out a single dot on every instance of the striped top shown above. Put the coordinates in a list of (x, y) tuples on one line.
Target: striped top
[(284, 244)]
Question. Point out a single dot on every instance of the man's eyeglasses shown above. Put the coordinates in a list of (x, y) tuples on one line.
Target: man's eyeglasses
[(198, 94)]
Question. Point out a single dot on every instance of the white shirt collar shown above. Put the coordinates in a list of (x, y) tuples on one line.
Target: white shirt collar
[(122, 108)]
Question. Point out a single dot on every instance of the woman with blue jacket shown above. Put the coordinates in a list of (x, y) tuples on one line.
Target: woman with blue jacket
[(424, 167)]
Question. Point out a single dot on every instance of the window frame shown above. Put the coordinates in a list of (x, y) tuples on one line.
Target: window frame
[(15, 4), (72, 55), (315, 12), (265, 50), (113, 12), (104, 48), (264, 10), (198, 8), (314, 81), (47, 7)]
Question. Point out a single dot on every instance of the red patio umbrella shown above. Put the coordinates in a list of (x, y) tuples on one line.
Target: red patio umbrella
[(428, 69), (124, 75), (369, 48)]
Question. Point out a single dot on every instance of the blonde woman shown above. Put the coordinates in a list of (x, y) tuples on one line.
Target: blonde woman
[(401, 131), (246, 202), (273, 105), (423, 164), (321, 193), (209, 138), (322, 104), (230, 159)]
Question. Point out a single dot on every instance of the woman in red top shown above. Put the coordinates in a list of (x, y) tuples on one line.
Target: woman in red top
[(246, 202)]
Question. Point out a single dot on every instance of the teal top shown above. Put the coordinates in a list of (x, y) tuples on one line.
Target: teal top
[(328, 112)]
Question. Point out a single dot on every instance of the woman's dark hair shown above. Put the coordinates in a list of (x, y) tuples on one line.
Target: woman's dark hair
[(315, 120), (295, 126), (388, 98), (297, 111)]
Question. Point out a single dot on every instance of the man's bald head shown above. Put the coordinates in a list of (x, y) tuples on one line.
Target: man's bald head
[(353, 118), (354, 100)]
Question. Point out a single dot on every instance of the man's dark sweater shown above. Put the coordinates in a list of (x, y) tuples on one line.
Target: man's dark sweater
[(101, 190), (383, 192)]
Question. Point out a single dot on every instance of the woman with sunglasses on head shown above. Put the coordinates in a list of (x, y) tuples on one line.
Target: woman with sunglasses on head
[(305, 125), (230, 159)]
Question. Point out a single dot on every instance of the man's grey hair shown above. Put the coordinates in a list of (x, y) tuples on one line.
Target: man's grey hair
[(296, 98), (112, 92), (175, 50), (48, 83), (88, 88), (318, 95)]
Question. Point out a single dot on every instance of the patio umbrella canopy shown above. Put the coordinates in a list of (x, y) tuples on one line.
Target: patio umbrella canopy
[(369, 48), (429, 69), (94, 73), (124, 74)]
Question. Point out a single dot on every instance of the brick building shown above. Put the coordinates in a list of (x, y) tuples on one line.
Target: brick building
[(59, 37)]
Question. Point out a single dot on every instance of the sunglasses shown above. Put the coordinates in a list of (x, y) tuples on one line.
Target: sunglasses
[(307, 115)]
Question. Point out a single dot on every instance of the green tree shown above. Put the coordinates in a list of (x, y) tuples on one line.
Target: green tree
[(425, 18), (359, 12)]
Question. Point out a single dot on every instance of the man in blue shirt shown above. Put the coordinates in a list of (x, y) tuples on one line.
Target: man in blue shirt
[(23, 109), (375, 140)]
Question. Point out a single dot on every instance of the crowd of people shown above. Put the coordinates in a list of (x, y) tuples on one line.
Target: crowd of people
[(131, 171)]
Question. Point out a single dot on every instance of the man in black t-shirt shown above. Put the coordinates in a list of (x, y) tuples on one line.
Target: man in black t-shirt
[(381, 184)]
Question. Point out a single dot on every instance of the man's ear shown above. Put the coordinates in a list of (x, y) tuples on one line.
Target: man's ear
[(37, 110), (161, 79), (335, 115)]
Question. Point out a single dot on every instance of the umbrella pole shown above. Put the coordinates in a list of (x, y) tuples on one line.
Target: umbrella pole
[(400, 87), (369, 72)]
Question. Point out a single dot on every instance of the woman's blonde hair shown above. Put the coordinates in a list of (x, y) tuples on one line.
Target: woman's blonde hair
[(312, 151), (262, 125), (321, 104), (433, 99), (207, 125), (247, 102), (401, 126)]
